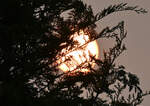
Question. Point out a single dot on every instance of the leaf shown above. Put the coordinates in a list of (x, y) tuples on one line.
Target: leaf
[(130, 88), (119, 7)]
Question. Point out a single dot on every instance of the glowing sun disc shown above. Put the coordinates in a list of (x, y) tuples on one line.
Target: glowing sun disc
[(78, 57)]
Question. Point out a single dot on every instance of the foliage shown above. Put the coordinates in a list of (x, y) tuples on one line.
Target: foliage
[(30, 43)]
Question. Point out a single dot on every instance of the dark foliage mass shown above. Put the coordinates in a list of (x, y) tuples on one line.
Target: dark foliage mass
[(31, 34)]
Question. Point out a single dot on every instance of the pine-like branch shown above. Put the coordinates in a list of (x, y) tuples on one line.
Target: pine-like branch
[(119, 7)]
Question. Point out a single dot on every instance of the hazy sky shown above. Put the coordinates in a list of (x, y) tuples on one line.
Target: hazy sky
[(136, 57)]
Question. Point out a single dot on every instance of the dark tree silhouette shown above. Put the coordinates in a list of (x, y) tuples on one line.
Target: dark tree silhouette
[(33, 34)]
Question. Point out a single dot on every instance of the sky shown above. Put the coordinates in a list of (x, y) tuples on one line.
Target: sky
[(136, 57)]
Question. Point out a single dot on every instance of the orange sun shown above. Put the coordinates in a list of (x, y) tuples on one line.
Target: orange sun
[(79, 56)]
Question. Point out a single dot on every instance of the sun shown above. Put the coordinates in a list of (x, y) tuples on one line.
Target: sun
[(72, 60)]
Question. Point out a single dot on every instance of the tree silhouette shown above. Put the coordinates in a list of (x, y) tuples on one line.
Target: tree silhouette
[(32, 33)]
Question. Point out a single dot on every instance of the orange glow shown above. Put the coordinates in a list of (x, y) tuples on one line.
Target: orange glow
[(79, 56)]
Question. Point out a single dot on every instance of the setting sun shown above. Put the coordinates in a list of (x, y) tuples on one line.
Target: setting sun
[(79, 56)]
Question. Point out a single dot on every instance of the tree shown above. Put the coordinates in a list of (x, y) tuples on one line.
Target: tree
[(32, 33)]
